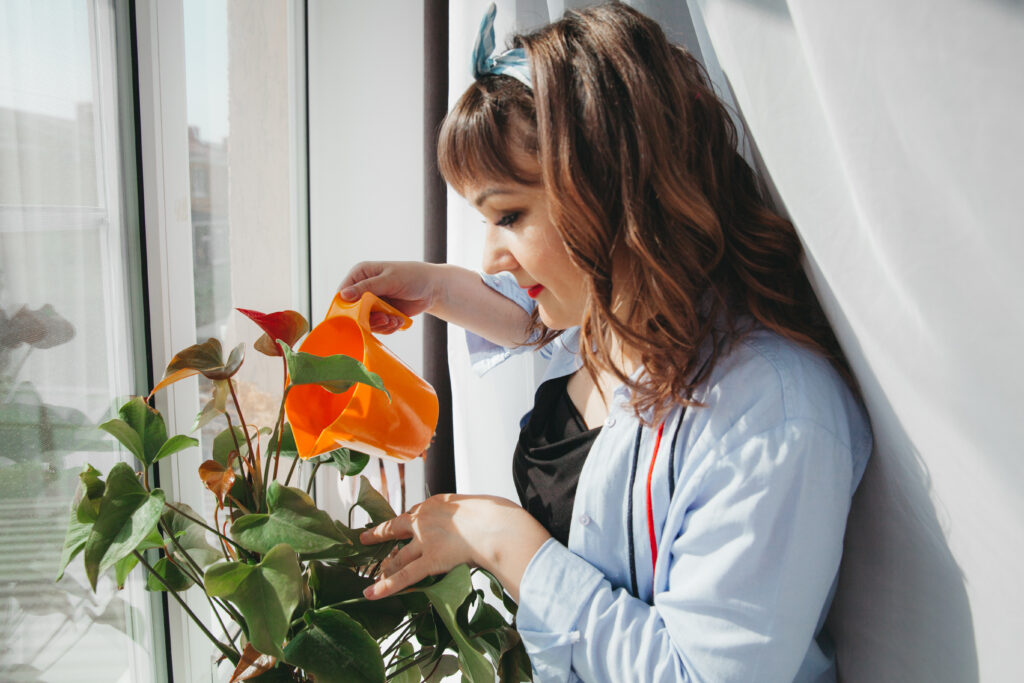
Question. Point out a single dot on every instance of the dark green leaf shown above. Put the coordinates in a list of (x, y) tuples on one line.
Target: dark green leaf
[(408, 675), (346, 460), (435, 671), (189, 535), (336, 649), (224, 443), (333, 584), (170, 572), (293, 519), (124, 433), (128, 513), (336, 373), (127, 563), (83, 514), (90, 496), (288, 446), (175, 444), (148, 424), (373, 502), (447, 595), (266, 594)]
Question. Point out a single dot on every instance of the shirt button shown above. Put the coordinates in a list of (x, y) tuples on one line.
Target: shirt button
[(609, 421), (584, 520)]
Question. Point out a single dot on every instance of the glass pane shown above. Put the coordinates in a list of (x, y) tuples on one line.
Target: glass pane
[(243, 154), (66, 350)]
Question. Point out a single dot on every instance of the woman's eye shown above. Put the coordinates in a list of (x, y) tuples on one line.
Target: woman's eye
[(508, 219)]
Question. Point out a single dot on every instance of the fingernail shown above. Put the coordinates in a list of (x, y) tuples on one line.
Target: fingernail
[(369, 591), (348, 294)]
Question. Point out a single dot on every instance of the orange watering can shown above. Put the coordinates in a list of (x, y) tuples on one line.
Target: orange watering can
[(362, 418)]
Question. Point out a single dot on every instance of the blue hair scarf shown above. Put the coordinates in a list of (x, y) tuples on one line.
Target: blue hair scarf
[(486, 61)]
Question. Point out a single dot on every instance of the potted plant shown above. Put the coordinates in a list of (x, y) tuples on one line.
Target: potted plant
[(283, 579)]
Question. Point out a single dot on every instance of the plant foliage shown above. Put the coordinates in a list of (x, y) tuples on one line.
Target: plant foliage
[(289, 576)]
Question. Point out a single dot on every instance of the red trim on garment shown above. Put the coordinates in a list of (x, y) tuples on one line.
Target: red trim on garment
[(650, 505)]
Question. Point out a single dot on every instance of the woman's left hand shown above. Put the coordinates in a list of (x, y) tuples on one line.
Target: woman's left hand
[(448, 530)]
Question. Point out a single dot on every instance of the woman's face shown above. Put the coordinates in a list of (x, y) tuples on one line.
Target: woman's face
[(522, 240)]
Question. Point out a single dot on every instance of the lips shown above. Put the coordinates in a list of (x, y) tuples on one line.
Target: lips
[(535, 291)]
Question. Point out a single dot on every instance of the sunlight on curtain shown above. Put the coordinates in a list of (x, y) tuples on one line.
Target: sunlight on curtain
[(66, 352)]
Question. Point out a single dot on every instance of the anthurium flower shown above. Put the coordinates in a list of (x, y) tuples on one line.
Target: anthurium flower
[(206, 359), (288, 326)]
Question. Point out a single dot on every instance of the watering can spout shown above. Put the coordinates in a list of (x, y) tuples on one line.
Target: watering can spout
[(362, 418)]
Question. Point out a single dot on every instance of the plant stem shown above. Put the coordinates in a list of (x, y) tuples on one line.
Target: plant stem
[(312, 477), (254, 457), (280, 417), (220, 646), (291, 470), (201, 523), (401, 481)]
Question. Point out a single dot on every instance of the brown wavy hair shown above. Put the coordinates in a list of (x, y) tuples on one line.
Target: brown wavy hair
[(639, 159)]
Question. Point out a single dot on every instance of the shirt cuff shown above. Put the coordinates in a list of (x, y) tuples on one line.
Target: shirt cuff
[(485, 355), (554, 589)]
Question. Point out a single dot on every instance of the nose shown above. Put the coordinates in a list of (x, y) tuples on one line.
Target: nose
[(497, 256)]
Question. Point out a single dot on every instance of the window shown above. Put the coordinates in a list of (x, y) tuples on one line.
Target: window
[(70, 334)]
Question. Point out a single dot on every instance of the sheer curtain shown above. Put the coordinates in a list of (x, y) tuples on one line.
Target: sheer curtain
[(890, 134), (69, 265)]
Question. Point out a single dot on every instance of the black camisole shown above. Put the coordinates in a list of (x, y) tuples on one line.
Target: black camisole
[(553, 444)]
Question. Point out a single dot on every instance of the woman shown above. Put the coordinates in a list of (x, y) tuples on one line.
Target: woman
[(687, 470)]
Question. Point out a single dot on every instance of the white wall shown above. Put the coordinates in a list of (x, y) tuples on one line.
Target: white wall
[(365, 149)]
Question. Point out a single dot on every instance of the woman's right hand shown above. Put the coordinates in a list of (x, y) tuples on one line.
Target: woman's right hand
[(410, 286)]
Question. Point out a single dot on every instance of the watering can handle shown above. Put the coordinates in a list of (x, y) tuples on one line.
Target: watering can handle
[(369, 303)]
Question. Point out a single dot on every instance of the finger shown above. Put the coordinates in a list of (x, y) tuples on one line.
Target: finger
[(358, 274), (402, 558), (400, 580), (398, 528), (356, 284), (384, 323)]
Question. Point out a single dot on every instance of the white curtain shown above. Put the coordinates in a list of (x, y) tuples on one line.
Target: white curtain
[(891, 136)]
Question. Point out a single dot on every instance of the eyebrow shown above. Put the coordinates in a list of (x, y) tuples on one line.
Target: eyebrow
[(489, 192)]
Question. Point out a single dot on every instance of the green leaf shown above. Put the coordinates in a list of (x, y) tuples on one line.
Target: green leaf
[(170, 572), (224, 443), (447, 595), (175, 444), (346, 460), (288, 447), (293, 519), (124, 433), (266, 594), (373, 502), (336, 373), (191, 537), (91, 494), (333, 584), (409, 675), (336, 649), (128, 513), (83, 514), (434, 672), (141, 430), (126, 564)]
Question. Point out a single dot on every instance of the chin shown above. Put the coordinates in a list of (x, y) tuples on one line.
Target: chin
[(555, 322)]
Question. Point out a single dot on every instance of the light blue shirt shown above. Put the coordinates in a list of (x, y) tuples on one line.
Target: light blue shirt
[(750, 498)]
